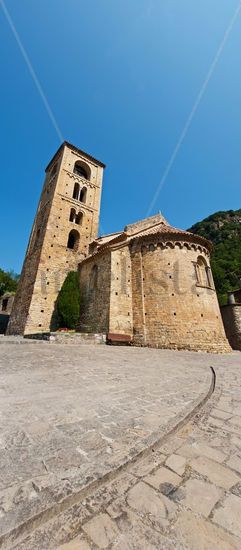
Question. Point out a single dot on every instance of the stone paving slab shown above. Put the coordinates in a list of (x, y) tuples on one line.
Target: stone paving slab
[(134, 511), (71, 415)]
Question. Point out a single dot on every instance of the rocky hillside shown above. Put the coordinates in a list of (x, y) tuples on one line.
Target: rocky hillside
[(224, 230)]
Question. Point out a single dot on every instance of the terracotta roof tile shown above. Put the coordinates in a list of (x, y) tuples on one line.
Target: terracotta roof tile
[(165, 230), (162, 229)]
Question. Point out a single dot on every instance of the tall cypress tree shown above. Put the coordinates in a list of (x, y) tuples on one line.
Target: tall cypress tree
[(68, 301)]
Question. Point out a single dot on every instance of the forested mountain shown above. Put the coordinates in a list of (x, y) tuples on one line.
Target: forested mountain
[(224, 230)]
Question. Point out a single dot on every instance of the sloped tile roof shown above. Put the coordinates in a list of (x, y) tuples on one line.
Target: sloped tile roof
[(162, 229)]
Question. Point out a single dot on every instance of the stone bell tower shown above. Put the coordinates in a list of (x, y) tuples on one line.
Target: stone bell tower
[(66, 222)]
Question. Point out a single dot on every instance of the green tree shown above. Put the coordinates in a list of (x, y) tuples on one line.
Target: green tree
[(8, 281), (68, 302)]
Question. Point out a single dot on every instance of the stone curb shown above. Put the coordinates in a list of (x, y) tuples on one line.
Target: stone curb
[(20, 341)]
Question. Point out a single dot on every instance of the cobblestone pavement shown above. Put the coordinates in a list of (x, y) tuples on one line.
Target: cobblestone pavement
[(71, 415), (184, 492)]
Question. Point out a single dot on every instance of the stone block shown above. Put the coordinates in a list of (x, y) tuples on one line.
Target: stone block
[(176, 463), (143, 467), (102, 530), (193, 450), (164, 480), (76, 544), (194, 533), (229, 515), (235, 463), (199, 495), (220, 414), (236, 420), (216, 473), (153, 508)]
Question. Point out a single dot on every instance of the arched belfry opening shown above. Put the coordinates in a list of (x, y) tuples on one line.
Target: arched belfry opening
[(72, 215), (76, 191), (82, 169), (73, 240), (83, 194), (79, 218)]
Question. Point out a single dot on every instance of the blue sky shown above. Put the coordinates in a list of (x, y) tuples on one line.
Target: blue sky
[(121, 78)]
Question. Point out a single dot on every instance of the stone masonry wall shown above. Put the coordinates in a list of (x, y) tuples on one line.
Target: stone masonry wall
[(23, 297), (95, 285), (151, 292), (132, 228), (106, 306), (231, 315), (48, 260), (169, 309), (121, 321)]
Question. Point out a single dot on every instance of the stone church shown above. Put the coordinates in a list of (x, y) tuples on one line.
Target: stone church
[(149, 285)]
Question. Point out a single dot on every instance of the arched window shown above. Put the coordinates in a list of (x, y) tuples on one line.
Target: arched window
[(79, 218), (82, 170), (209, 276), (73, 240), (93, 278), (76, 191), (83, 194), (72, 215), (203, 273)]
